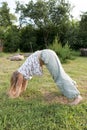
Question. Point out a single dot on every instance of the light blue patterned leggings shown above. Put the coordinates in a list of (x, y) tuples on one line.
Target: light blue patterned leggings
[(66, 85)]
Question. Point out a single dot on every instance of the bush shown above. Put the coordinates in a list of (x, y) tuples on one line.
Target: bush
[(64, 52)]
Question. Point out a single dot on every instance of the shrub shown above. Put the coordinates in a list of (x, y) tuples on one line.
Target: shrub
[(64, 52)]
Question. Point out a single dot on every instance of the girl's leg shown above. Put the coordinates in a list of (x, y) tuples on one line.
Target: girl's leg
[(66, 85)]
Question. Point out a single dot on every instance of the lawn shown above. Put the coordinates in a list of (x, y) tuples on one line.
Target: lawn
[(41, 106)]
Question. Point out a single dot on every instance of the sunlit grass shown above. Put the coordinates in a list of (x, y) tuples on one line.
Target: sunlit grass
[(41, 106)]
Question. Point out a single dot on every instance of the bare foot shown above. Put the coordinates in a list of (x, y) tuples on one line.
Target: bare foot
[(76, 101)]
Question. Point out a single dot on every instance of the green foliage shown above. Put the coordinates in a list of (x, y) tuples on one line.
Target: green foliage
[(43, 12), (40, 21), (82, 35), (46, 16), (12, 39), (28, 39), (5, 15), (2, 32), (71, 34), (64, 52), (6, 18)]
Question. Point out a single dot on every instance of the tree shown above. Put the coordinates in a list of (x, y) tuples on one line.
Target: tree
[(83, 31), (12, 39), (28, 39), (6, 17), (46, 15), (6, 28), (71, 35)]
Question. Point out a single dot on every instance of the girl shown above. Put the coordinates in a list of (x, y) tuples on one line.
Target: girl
[(33, 66)]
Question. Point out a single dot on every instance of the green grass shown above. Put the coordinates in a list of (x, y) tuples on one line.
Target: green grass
[(41, 106)]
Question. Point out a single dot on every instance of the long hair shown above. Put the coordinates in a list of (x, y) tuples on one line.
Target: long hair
[(13, 79), (17, 84), (14, 90)]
